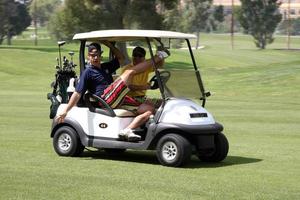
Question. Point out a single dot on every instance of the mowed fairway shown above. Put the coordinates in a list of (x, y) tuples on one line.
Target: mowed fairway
[(255, 95)]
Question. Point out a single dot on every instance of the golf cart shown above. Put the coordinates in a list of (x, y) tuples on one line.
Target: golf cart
[(180, 127)]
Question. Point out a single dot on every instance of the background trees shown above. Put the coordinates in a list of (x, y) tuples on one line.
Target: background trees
[(294, 27), (41, 11), (86, 15), (64, 18), (260, 19), (197, 13), (14, 19)]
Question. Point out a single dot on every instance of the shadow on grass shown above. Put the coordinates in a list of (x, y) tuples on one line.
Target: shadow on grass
[(149, 157), (229, 161), (288, 49)]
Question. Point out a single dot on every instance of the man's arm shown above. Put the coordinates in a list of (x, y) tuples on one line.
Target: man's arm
[(72, 102), (115, 51)]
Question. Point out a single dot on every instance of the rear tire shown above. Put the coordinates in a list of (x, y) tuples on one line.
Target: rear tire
[(173, 150), (66, 142), (220, 151)]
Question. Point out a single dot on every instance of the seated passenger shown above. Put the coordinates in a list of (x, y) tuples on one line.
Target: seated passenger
[(139, 84)]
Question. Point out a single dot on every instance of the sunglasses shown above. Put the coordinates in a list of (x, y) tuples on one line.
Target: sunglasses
[(95, 54)]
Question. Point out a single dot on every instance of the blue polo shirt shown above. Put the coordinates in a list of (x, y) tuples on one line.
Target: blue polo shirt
[(95, 79)]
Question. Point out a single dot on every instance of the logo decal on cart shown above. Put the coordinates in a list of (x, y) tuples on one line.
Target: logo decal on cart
[(103, 125)]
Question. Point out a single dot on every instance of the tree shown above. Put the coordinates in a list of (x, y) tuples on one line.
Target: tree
[(43, 9), (167, 4), (197, 13), (260, 19), (215, 18), (142, 14), (72, 17), (172, 19), (87, 15), (14, 19), (294, 29), (219, 13)]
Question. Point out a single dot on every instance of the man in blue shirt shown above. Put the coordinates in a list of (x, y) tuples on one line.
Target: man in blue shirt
[(97, 78)]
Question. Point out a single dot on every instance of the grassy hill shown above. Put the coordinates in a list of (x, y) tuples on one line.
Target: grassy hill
[(255, 96)]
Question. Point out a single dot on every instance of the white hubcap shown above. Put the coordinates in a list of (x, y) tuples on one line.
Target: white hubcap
[(169, 151), (64, 142)]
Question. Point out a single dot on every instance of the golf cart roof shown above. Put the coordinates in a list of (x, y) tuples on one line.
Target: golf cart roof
[(125, 34)]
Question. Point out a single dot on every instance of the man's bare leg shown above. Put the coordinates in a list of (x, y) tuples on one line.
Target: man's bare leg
[(140, 120), (144, 112)]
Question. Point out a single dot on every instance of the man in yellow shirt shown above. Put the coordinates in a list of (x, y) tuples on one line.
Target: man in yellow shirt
[(139, 83)]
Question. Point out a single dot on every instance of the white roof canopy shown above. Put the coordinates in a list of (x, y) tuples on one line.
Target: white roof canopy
[(125, 34)]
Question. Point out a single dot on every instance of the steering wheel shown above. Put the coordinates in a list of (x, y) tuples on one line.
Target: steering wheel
[(164, 77), (106, 110)]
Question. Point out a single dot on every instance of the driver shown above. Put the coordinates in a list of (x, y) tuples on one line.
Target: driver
[(139, 84), (97, 79)]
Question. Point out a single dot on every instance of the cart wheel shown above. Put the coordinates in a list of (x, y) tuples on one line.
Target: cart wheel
[(173, 150), (220, 151), (66, 142)]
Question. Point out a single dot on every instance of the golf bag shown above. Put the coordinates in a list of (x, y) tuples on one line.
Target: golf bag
[(63, 85)]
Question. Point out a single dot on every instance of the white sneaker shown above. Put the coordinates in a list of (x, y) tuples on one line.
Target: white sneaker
[(163, 54), (122, 134), (132, 137), (129, 135)]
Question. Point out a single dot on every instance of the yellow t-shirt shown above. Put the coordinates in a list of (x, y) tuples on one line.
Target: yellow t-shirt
[(138, 79)]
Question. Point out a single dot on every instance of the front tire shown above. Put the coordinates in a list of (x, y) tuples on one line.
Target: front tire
[(173, 150), (220, 151), (66, 142)]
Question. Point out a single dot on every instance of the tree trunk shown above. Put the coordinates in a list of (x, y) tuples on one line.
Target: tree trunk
[(119, 23), (263, 41), (8, 38), (289, 25), (123, 49), (198, 39), (263, 45), (35, 34), (232, 24), (35, 25)]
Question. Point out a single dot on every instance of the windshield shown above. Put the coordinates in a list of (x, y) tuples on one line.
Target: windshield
[(183, 81)]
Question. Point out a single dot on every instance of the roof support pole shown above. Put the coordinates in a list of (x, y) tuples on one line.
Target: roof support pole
[(199, 79)]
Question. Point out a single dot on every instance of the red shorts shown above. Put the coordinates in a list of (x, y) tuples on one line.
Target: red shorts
[(115, 94)]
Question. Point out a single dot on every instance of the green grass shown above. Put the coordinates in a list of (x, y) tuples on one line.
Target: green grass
[(255, 95)]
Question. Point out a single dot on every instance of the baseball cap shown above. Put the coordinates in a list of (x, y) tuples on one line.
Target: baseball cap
[(93, 46)]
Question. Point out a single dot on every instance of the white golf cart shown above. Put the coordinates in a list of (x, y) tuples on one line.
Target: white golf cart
[(180, 127)]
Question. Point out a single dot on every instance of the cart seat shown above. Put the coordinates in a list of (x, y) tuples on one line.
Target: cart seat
[(93, 101), (124, 113)]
